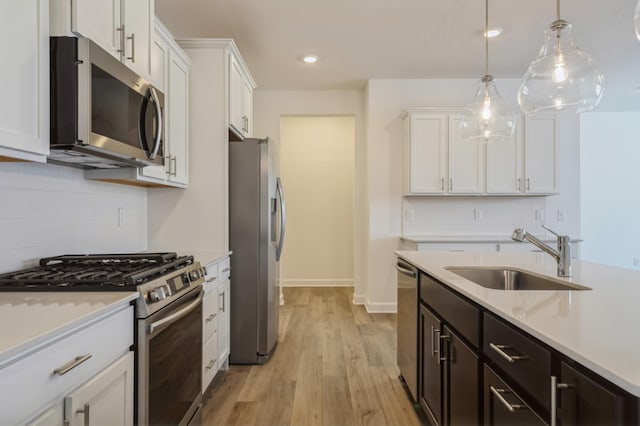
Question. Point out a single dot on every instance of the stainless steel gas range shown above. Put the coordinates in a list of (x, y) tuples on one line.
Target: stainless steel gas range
[(168, 324)]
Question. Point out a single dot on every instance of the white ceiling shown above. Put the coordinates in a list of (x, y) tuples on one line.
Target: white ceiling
[(357, 40)]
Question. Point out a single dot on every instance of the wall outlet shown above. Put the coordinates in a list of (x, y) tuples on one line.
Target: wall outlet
[(636, 261), (539, 214), (121, 217), (410, 215), (560, 215), (477, 214)]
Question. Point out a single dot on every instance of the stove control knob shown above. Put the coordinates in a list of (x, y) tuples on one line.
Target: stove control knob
[(157, 295)]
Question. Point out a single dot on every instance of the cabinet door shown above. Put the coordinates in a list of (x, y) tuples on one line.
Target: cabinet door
[(224, 335), (503, 407), (425, 153), (107, 399), (585, 402), (178, 118), (505, 164), (540, 155), (51, 417), (24, 77), (461, 384), (138, 30), (100, 21), (247, 103), (236, 95), (430, 386), (466, 162)]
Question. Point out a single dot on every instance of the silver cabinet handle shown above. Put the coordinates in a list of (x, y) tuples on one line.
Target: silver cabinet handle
[(61, 371), (450, 184), (120, 29), (405, 271), (226, 269), (174, 161), (132, 37), (223, 309), (442, 184), (211, 364), (503, 354), (511, 407), (212, 279), (528, 181), (210, 318), (554, 398), (440, 339), (85, 411), (434, 332), (519, 184), (167, 165)]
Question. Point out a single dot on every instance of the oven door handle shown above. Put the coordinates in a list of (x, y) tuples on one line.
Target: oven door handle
[(165, 322)]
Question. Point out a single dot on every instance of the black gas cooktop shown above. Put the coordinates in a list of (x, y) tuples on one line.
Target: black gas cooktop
[(110, 272)]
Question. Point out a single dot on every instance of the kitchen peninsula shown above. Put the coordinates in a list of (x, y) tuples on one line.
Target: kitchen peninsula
[(540, 355)]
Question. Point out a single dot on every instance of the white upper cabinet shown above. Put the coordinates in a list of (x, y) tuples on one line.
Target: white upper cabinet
[(170, 68), (24, 77), (540, 155), (124, 28), (466, 162), (241, 87), (438, 162), (528, 164), (425, 152)]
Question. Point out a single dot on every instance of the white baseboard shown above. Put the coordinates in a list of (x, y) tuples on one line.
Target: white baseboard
[(359, 299), (374, 308), (338, 282)]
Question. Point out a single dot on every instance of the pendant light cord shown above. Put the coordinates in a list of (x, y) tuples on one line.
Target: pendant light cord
[(558, 9), (486, 37)]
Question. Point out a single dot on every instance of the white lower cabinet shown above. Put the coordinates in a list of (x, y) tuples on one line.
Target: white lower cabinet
[(93, 365), (215, 320)]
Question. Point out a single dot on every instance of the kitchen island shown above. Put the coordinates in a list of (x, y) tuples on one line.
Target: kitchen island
[(592, 330)]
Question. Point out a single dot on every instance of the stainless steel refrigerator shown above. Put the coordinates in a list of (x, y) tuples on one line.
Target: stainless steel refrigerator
[(256, 236)]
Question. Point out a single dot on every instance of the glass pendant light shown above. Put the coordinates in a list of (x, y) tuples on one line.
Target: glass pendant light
[(636, 20), (562, 76), (487, 118)]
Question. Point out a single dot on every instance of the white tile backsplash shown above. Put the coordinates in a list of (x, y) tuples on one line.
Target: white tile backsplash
[(48, 210)]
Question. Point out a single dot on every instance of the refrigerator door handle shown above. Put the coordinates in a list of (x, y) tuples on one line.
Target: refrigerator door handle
[(283, 222)]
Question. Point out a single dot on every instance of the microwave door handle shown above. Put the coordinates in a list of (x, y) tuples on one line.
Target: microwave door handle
[(158, 130)]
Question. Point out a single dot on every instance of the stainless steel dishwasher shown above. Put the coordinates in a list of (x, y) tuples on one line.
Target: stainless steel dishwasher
[(407, 325)]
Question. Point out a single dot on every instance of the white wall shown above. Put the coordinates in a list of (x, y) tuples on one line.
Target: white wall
[(317, 170), (386, 100), (49, 210), (610, 179), (271, 106)]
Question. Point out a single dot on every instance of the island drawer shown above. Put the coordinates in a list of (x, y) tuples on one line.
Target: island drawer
[(456, 311), (522, 358)]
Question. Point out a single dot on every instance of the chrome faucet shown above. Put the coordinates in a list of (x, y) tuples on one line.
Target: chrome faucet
[(562, 255)]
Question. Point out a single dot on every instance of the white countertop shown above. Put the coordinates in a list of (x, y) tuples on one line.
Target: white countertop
[(31, 320), (208, 257), (471, 238), (599, 328)]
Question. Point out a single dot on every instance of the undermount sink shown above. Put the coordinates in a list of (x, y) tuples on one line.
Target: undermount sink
[(511, 279)]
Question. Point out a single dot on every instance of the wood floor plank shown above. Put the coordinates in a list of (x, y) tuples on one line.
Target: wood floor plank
[(334, 365)]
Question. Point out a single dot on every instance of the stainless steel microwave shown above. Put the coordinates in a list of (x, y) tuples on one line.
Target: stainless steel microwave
[(103, 115)]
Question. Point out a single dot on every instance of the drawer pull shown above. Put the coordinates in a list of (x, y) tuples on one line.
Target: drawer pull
[(440, 339), (226, 269), (223, 308), (211, 364), (85, 411), (503, 354), (210, 317), (212, 279), (61, 371), (511, 407), (434, 333)]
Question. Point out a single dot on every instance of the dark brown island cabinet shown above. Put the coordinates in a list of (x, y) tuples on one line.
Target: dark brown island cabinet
[(475, 368)]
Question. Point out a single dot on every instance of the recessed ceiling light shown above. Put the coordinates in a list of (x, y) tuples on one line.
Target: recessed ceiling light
[(310, 59), (493, 32)]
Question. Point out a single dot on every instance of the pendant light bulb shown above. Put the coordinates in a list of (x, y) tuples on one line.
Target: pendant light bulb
[(561, 76), (487, 118)]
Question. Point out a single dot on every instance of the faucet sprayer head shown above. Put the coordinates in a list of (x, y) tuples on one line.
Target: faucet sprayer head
[(518, 234)]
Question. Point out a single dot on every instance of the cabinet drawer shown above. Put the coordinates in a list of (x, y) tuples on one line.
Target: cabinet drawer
[(526, 361), (209, 315), (36, 380), (460, 314), (211, 280), (224, 269), (209, 360), (503, 406)]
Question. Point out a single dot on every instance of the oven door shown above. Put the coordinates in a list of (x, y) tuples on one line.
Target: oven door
[(169, 363)]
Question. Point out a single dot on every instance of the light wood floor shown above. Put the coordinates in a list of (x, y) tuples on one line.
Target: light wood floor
[(335, 365)]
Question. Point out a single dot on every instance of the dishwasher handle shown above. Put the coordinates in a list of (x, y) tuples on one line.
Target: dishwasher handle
[(405, 271)]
